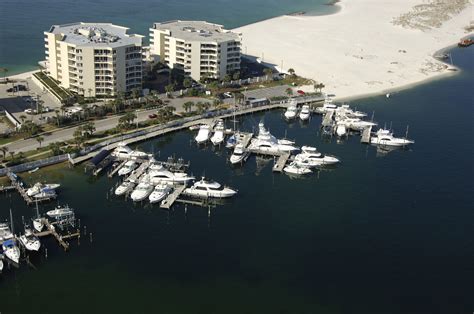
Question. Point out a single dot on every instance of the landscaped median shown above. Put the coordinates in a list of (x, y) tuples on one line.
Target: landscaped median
[(52, 86)]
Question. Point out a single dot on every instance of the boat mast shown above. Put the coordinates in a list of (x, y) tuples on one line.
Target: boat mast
[(11, 221)]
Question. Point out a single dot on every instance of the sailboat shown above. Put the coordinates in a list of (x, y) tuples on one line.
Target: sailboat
[(10, 247), (38, 224)]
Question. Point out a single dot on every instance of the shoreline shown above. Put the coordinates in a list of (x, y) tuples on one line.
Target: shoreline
[(367, 49)]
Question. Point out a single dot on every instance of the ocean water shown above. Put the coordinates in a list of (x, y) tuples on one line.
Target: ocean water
[(380, 233), (23, 22)]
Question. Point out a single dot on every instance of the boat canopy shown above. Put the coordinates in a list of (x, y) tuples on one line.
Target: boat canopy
[(99, 157)]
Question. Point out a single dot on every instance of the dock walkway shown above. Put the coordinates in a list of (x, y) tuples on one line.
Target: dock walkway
[(113, 172), (138, 173), (365, 135), (20, 187), (327, 120), (281, 162), (172, 197)]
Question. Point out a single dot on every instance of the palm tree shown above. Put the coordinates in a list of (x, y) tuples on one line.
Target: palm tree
[(11, 154), (187, 82), (227, 78), (78, 137), (188, 105), (236, 75), (88, 128), (291, 71), (56, 111), (4, 71), (239, 97), (321, 86), (23, 118), (216, 103), (4, 151), (40, 140), (169, 89), (289, 91), (89, 91)]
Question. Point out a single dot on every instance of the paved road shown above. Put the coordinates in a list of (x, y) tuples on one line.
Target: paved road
[(100, 125)]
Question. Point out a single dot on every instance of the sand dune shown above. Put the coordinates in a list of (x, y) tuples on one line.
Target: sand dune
[(369, 46)]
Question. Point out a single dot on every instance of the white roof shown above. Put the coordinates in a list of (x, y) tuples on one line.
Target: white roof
[(197, 31), (100, 35)]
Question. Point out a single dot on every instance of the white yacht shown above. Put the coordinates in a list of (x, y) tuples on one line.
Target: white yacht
[(304, 113), (347, 111), (266, 142), (231, 141), (327, 106), (239, 155), (204, 134), (45, 193), (60, 212), (294, 168), (30, 241), (124, 188), (124, 152), (163, 175), (127, 168), (11, 250), (310, 157), (218, 136), (209, 189), (291, 112), (341, 129), (159, 193), (357, 124), (384, 137), (38, 224), (5, 232), (40, 187), (142, 191)]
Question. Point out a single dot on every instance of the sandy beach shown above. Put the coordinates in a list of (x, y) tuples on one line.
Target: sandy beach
[(22, 76), (367, 47)]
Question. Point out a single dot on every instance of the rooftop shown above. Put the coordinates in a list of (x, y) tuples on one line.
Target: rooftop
[(96, 34), (197, 31)]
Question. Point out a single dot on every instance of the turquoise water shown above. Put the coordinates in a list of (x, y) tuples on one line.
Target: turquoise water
[(378, 234), (22, 22)]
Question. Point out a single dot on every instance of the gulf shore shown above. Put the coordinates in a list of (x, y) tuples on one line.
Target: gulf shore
[(367, 47)]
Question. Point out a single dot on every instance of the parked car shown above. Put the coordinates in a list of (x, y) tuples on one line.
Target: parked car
[(17, 88), (235, 85), (299, 91), (29, 111), (228, 95), (220, 96), (153, 116)]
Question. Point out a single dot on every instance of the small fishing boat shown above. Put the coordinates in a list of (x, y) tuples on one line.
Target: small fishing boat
[(218, 136), (385, 138), (30, 241), (40, 187), (294, 168), (34, 170), (305, 113), (11, 250), (204, 134), (127, 168), (159, 193), (124, 188), (142, 191), (291, 112), (60, 212), (239, 155)]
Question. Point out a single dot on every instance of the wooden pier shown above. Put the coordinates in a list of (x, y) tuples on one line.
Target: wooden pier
[(136, 174), (281, 162), (20, 187), (365, 135), (327, 119), (172, 197), (116, 169), (51, 230)]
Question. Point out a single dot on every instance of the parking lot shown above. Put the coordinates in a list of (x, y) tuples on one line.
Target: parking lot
[(276, 91), (17, 102)]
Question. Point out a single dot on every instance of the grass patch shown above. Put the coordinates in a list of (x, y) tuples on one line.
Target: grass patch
[(53, 86)]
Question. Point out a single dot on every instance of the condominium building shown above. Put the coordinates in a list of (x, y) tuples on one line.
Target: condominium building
[(196, 47), (94, 59)]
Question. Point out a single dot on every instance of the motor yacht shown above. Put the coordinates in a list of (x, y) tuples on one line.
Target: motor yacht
[(341, 129), (5, 232), (310, 157), (38, 224), (291, 112), (384, 137), (124, 152), (350, 113), (163, 175), (142, 191), (357, 124), (59, 212), (327, 106), (39, 187), (294, 168), (45, 193), (218, 136), (159, 193), (127, 168), (11, 250), (209, 189), (239, 155), (267, 143), (30, 241), (124, 188), (204, 134), (305, 113)]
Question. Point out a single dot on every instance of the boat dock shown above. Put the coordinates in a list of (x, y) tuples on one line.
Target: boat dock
[(172, 197), (20, 187), (281, 162), (136, 174), (365, 135), (116, 169), (327, 119)]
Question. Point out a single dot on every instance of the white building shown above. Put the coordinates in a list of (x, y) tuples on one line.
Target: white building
[(196, 47), (94, 59)]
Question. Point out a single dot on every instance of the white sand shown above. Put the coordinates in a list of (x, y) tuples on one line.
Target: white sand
[(22, 76), (359, 50)]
